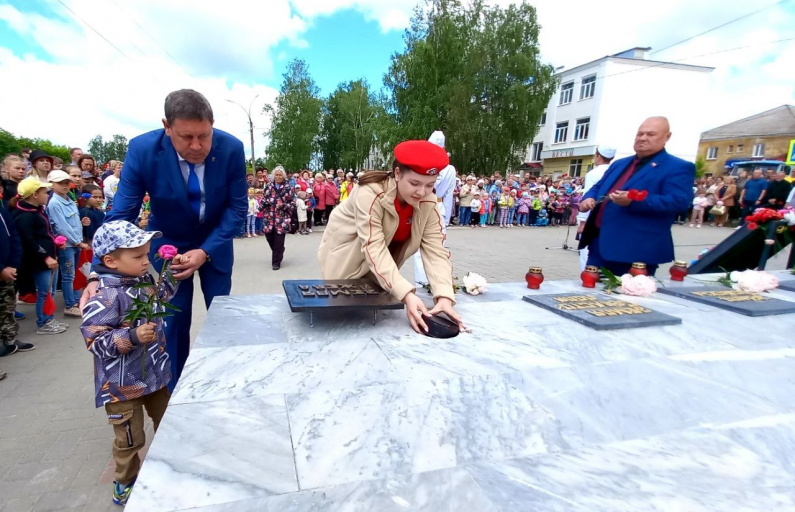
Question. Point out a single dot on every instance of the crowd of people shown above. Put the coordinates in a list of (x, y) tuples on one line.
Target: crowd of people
[(727, 199)]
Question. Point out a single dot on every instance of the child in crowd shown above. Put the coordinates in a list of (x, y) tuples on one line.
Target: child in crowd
[(57, 164), (543, 217), (141, 377), (310, 208), (10, 260), (575, 207), (505, 202), (259, 226), (494, 198), (92, 211), (251, 216), (534, 209), (524, 208), (475, 205), (512, 208), (700, 202), (66, 221), (14, 170), (38, 248), (111, 184), (301, 209), (485, 206)]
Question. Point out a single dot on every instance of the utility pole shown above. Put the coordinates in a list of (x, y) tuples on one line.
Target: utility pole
[(251, 129)]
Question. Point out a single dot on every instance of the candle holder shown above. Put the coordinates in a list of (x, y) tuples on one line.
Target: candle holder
[(534, 278), (638, 269), (678, 271), (590, 276)]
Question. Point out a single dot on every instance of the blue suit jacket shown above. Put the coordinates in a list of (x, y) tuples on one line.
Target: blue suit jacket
[(642, 231), (152, 166)]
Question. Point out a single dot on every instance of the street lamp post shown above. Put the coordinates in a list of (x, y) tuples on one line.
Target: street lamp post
[(250, 127)]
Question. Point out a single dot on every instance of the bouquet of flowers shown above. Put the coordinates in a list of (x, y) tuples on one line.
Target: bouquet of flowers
[(475, 284), (752, 281), (638, 286)]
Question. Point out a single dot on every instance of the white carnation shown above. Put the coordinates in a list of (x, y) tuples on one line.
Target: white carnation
[(475, 284)]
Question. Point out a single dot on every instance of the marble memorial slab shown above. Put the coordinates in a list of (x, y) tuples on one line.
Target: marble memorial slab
[(601, 312), (787, 285), (744, 303)]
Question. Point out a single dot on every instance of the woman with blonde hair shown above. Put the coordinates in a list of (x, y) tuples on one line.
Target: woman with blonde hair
[(388, 217)]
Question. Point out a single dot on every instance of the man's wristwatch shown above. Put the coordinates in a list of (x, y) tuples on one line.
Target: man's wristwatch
[(207, 255)]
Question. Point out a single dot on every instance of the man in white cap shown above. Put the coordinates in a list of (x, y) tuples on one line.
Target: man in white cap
[(444, 187), (604, 155)]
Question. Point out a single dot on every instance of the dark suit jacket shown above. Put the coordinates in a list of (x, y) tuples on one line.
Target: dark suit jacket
[(641, 231), (152, 166)]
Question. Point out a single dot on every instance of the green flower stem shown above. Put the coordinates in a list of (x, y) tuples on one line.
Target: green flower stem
[(150, 310)]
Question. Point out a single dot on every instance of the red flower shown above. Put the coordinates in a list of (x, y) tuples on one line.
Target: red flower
[(752, 225), (642, 195), (632, 194), (749, 218)]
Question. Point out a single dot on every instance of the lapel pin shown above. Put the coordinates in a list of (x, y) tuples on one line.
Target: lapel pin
[(212, 159), (653, 164)]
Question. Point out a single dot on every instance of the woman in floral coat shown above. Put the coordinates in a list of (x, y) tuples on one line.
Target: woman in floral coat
[(278, 204)]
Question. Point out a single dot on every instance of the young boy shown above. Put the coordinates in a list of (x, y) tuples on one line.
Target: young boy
[(301, 209), (474, 219), (10, 260), (131, 366), (93, 211)]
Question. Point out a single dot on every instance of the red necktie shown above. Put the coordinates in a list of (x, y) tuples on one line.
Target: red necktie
[(618, 185)]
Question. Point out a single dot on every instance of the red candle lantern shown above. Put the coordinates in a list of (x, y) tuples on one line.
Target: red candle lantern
[(638, 269), (534, 278), (590, 276), (678, 271)]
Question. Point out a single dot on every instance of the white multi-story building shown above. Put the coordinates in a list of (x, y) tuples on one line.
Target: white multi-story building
[(604, 102)]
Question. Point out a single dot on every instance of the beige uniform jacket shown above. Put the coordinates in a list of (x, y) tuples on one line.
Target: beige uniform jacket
[(359, 231)]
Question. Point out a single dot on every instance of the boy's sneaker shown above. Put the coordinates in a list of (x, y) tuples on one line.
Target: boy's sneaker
[(121, 493), (19, 316), (24, 347), (73, 311), (51, 327), (7, 350)]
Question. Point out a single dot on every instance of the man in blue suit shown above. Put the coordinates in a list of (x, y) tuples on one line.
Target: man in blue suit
[(621, 231), (195, 176)]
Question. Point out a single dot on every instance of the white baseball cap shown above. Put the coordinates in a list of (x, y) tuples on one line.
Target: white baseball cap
[(606, 151), (58, 176)]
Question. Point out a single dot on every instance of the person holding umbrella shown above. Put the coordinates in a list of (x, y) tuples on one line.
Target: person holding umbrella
[(389, 217)]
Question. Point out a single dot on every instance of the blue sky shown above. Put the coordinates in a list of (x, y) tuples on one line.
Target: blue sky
[(68, 84)]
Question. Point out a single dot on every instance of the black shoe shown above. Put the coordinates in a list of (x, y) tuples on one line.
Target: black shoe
[(24, 347), (277, 267), (7, 350)]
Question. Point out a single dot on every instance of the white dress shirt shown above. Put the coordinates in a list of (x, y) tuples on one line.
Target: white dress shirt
[(591, 179), (199, 170)]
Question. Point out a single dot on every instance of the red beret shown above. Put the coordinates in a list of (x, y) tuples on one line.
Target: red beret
[(422, 157)]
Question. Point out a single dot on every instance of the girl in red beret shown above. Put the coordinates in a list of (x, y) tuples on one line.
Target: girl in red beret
[(388, 217)]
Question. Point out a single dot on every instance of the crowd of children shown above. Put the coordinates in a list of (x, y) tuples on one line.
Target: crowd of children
[(529, 203)]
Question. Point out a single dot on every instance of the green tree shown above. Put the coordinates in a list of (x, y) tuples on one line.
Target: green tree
[(700, 164), (348, 127), (473, 71), (103, 152), (295, 119), (9, 143)]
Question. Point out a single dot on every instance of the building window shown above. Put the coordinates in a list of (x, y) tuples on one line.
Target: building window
[(759, 150), (588, 87), (575, 167), (566, 92), (543, 119), (535, 151), (582, 128), (712, 153), (739, 148), (730, 149), (561, 132)]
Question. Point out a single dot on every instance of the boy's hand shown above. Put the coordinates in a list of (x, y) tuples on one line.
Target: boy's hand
[(86, 221), (84, 246), (51, 263), (8, 274), (146, 333)]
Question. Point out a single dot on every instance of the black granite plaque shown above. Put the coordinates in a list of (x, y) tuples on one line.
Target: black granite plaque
[(787, 285), (722, 297), (339, 295), (600, 311)]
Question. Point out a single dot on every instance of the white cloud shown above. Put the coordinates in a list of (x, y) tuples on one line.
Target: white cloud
[(77, 85)]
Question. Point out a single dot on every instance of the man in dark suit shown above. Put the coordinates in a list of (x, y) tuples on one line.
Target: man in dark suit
[(621, 230), (195, 176)]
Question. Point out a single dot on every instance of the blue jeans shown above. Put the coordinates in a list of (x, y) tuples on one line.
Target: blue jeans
[(41, 280), (251, 221), (464, 214), (511, 213), (522, 219), (67, 261)]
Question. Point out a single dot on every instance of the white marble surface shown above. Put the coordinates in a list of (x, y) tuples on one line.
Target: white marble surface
[(528, 412)]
